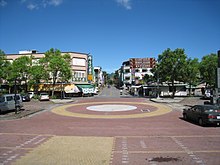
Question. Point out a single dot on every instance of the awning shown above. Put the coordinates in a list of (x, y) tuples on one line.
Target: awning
[(86, 88), (71, 89)]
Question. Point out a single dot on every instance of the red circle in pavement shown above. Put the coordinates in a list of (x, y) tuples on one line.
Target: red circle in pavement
[(139, 109)]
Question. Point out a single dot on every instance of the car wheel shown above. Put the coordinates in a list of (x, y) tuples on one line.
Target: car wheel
[(185, 117), (201, 122)]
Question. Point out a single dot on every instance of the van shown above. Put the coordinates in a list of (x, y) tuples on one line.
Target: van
[(7, 102)]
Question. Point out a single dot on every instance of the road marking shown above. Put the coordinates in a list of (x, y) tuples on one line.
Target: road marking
[(194, 157), (148, 136), (142, 143), (161, 110), (167, 152), (125, 157), (169, 136)]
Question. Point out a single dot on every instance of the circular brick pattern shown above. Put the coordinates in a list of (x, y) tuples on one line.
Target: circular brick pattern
[(161, 110)]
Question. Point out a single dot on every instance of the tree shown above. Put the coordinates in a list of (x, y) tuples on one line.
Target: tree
[(21, 69), (3, 65), (38, 74), (57, 65), (171, 65), (208, 67), (192, 72), (148, 79)]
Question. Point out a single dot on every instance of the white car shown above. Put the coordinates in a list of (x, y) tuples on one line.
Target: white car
[(44, 97), (31, 94)]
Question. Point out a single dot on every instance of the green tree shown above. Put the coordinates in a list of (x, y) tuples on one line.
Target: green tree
[(2, 64), (148, 79), (208, 67), (21, 70), (57, 65), (171, 65), (192, 72), (38, 75)]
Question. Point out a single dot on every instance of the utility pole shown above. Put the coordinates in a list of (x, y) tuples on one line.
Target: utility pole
[(217, 90)]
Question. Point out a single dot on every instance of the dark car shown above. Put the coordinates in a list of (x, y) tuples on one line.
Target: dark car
[(25, 97), (203, 114)]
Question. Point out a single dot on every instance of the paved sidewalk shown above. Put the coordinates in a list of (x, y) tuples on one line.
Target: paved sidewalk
[(167, 100), (69, 150)]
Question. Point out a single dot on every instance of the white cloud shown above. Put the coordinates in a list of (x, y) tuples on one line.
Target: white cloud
[(32, 6), (36, 4), (3, 3), (55, 2), (125, 3)]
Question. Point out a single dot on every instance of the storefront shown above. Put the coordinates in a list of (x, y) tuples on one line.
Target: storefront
[(86, 89)]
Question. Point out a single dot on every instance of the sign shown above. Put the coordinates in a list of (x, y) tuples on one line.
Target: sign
[(90, 68), (90, 77)]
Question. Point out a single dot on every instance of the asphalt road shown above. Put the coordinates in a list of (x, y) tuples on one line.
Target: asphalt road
[(74, 133)]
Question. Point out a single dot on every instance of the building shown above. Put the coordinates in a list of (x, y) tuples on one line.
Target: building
[(81, 65), (98, 76), (133, 70)]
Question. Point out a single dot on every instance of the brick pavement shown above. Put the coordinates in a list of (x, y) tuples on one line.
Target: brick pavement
[(48, 138)]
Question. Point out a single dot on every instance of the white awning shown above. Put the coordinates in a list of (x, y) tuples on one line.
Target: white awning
[(71, 89)]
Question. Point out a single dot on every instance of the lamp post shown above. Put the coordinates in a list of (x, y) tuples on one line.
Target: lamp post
[(158, 94), (15, 98)]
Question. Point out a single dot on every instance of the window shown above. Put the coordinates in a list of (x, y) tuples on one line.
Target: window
[(79, 74), (9, 98), (79, 62), (127, 78), (2, 99), (127, 70)]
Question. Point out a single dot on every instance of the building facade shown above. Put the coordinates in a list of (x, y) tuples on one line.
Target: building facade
[(133, 70), (98, 76), (80, 64)]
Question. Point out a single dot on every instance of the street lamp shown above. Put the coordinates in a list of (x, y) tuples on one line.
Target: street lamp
[(15, 98)]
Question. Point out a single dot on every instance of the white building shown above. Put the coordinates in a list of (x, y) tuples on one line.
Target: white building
[(133, 70)]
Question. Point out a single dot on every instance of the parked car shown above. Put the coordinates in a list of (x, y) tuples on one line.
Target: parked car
[(203, 114), (31, 94), (96, 91), (10, 102), (44, 97), (25, 97)]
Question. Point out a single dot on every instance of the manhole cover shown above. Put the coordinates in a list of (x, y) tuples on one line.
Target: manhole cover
[(163, 159)]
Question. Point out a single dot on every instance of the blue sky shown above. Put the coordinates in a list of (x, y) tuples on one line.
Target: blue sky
[(111, 30)]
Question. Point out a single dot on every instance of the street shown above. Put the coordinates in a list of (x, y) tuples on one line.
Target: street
[(109, 129)]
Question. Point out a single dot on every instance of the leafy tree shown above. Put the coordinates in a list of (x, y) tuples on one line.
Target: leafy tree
[(171, 65), (21, 69), (192, 72), (207, 68), (148, 79), (117, 78), (2, 64), (57, 65), (38, 74)]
